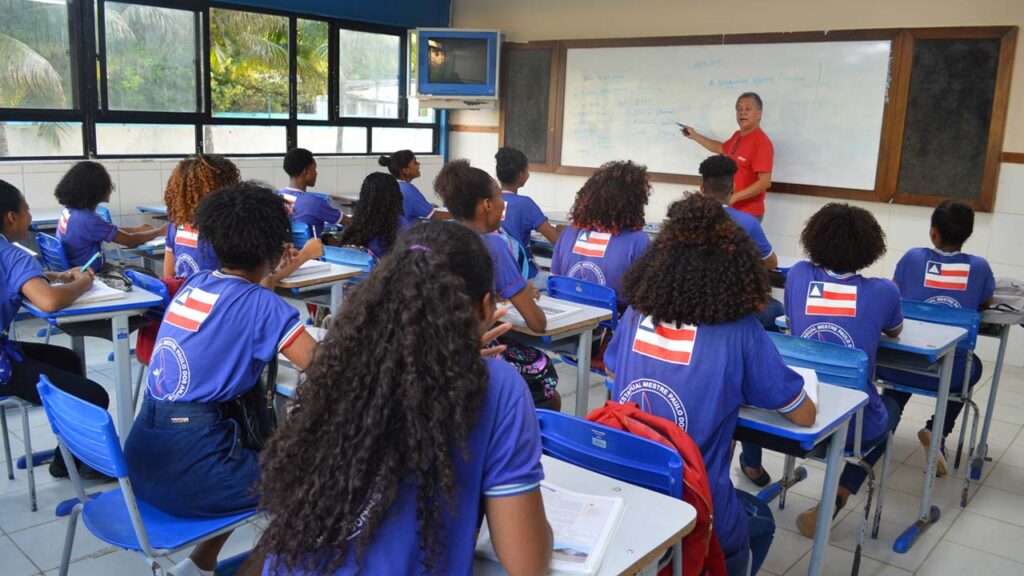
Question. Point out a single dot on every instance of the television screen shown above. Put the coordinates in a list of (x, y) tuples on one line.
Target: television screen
[(458, 60)]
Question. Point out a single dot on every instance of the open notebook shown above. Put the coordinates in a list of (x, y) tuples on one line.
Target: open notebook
[(552, 308), (810, 382), (309, 268), (100, 292), (582, 525)]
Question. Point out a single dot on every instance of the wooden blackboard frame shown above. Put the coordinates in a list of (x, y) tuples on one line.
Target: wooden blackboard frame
[(554, 144), (894, 112)]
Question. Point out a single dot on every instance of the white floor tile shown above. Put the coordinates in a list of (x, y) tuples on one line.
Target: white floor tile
[(1006, 477), (999, 504), (988, 535), (845, 536), (787, 549), (113, 563), (949, 559), (838, 562), (44, 544), (14, 562)]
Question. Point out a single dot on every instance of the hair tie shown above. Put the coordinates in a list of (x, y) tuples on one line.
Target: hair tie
[(419, 248)]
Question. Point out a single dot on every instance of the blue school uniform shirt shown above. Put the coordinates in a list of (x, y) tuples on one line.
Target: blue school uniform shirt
[(16, 268), (376, 245), (698, 377), (414, 204), (503, 460), (83, 232), (753, 229), (217, 335), (598, 257), (192, 253), (521, 217), (508, 277), (311, 209), (849, 310), (946, 278)]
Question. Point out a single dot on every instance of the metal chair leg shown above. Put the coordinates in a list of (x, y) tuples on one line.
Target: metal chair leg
[(7, 442), (143, 369), (787, 475), (970, 405), (886, 461), (69, 538), (29, 460), (864, 519)]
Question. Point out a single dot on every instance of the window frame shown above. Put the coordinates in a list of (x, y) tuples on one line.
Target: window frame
[(90, 95)]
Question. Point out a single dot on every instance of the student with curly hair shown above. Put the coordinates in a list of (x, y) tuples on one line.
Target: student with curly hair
[(23, 277), (689, 349), (404, 166), (827, 300), (80, 229), (307, 208), (522, 215), (377, 219), (184, 454), (192, 179), (607, 233), (433, 440)]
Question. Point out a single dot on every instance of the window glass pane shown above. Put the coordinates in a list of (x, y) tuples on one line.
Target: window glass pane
[(333, 139), (244, 139), (143, 139), (417, 115), (248, 64), (36, 67), (387, 140), (368, 74), (40, 139), (151, 58), (311, 66)]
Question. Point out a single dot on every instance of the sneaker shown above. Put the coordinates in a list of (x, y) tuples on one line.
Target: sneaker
[(925, 436), (807, 522)]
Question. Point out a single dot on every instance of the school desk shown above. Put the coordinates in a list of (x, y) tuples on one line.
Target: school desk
[(923, 347), (334, 279), (580, 324), (836, 407), (45, 219), (117, 311), (157, 210), (152, 254), (995, 324), (651, 522)]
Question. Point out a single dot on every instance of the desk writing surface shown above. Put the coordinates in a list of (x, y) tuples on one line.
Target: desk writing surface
[(586, 315), (924, 338), (650, 522), (152, 209), (137, 299), (835, 404), (336, 273)]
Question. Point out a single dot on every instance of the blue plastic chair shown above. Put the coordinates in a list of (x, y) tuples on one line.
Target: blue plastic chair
[(52, 252), (589, 294), (969, 320), (117, 517), (301, 233), (616, 454), (30, 459), (157, 287)]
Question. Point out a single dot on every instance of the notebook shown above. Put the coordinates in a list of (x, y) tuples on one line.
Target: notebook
[(309, 268), (100, 292), (552, 308)]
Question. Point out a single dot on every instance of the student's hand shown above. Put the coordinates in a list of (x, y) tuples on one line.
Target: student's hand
[(76, 275), (492, 334), (289, 262), (313, 249), (688, 132)]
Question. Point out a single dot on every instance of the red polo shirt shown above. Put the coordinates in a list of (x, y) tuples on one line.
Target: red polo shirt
[(752, 153)]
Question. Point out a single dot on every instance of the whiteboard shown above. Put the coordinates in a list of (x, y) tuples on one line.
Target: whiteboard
[(823, 106)]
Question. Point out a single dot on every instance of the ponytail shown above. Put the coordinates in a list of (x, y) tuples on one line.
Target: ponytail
[(397, 161)]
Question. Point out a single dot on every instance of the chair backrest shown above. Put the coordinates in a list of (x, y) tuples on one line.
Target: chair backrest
[(611, 452), (104, 213), (588, 293), (52, 252), (969, 320), (834, 364), (349, 256), (149, 283), (518, 253), (84, 429), (301, 233)]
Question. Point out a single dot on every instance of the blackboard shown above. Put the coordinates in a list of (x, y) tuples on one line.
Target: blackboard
[(949, 114), (527, 99)]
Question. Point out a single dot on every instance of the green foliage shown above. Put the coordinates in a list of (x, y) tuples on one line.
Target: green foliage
[(35, 70)]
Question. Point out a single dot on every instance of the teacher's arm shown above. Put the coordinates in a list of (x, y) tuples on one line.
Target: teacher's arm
[(713, 146), (764, 180)]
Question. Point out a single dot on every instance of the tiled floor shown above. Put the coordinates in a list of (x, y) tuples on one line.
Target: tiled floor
[(985, 538)]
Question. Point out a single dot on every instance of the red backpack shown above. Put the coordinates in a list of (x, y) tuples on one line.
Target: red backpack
[(702, 553)]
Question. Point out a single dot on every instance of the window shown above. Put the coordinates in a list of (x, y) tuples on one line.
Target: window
[(417, 115), (40, 139), (228, 139), (36, 70), (151, 55), (248, 64), (387, 140), (311, 63), (145, 139), (368, 74), (333, 139)]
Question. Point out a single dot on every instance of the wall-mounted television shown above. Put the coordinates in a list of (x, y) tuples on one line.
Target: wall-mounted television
[(457, 64)]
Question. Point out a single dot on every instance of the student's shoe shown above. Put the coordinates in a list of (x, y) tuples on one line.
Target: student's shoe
[(925, 436), (760, 478), (807, 522), (188, 568), (59, 470)]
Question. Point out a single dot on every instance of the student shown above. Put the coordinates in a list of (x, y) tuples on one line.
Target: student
[(434, 439), (377, 219), (945, 276), (690, 350), (80, 229), (184, 455), (404, 166), (522, 215), (306, 208), (192, 179), (607, 233), (21, 363), (827, 300)]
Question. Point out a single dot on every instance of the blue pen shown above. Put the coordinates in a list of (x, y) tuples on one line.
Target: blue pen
[(91, 260)]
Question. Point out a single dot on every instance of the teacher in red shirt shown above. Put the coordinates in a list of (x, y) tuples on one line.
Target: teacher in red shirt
[(752, 151)]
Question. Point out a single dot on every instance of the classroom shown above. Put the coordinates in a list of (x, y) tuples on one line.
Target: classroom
[(312, 287)]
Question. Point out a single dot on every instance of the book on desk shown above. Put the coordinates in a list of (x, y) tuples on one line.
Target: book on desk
[(100, 292), (552, 308), (309, 268)]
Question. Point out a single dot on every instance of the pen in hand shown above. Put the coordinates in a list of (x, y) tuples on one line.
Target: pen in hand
[(91, 260)]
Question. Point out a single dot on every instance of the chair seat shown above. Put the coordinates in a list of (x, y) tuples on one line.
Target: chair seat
[(106, 516)]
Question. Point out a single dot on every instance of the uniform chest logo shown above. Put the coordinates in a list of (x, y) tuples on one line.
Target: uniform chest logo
[(590, 243), (190, 308), (829, 299), (946, 276), (290, 200), (665, 342), (62, 224)]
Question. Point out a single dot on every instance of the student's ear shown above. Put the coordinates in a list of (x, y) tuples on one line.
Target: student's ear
[(935, 236), (486, 309)]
